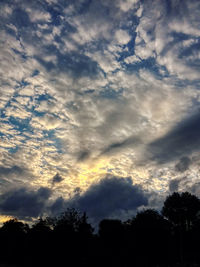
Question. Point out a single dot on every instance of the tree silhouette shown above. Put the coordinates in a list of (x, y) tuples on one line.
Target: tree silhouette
[(149, 234), (40, 242), (72, 234), (41, 226), (13, 226), (147, 240), (181, 209), (110, 229), (13, 240), (112, 246), (84, 229), (68, 221)]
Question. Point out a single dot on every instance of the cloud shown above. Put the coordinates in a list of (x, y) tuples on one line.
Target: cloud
[(20, 18), (24, 203), (186, 183), (183, 164), (6, 171), (6, 11), (95, 87), (127, 143), (127, 4), (182, 140), (195, 189), (174, 185), (48, 121), (111, 197), (132, 60), (122, 37), (57, 179), (161, 34), (83, 155), (18, 112), (38, 15)]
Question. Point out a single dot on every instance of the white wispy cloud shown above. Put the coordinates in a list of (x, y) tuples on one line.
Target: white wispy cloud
[(38, 15)]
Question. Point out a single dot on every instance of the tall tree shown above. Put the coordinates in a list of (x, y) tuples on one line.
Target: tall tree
[(149, 235), (13, 240), (181, 209)]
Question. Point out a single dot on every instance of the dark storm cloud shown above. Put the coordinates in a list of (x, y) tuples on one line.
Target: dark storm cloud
[(58, 206), (110, 197), (183, 164), (57, 178), (179, 142), (24, 203)]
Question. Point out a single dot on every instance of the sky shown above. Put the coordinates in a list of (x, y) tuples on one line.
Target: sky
[(99, 105)]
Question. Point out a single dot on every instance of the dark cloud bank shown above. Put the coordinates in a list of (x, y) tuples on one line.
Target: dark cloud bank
[(179, 142), (24, 203), (111, 197)]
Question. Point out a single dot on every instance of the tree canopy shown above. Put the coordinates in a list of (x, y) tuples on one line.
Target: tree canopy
[(181, 209), (150, 238)]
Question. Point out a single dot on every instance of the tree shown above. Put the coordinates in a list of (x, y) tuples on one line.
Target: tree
[(40, 242), (69, 221), (13, 240), (112, 247), (72, 234), (148, 218), (13, 226), (42, 226), (149, 235), (85, 230), (181, 209), (110, 229)]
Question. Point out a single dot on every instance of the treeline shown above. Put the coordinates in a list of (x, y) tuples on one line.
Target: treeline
[(168, 238)]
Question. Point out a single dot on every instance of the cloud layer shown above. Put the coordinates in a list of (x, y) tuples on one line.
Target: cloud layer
[(24, 203), (98, 88), (111, 197)]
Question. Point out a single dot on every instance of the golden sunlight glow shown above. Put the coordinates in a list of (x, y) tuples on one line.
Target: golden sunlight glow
[(92, 171), (84, 174), (4, 218)]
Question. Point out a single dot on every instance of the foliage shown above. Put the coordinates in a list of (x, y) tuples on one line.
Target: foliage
[(181, 209), (148, 239)]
